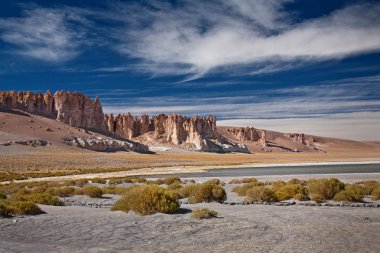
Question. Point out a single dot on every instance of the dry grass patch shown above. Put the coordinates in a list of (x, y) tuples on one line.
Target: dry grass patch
[(243, 181), (91, 191), (296, 191), (242, 190), (38, 198), (8, 207), (261, 193), (327, 188), (352, 193), (204, 213), (147, 199)]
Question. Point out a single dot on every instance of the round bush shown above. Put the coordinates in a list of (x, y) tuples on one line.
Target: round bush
[(289, 191), (147, 200), (92, 191), (261, 193), (327, 188), (369, 186), (352, 193), (24, 207), (207, 192), (242, 190)]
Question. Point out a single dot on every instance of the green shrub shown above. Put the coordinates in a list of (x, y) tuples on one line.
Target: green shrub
[(92, 191), (243, 181), (204, 213), (376, 194), (289, 191), (261, 193), (2, 196), (207, 192), (148, 199), (24, 208), (4, 210), (184, 192), (172, 180), (242, 190), (215, 181), (368, 186), (327, 188), (352, 193), (317, 198), (38, 198), (61, 191), (174, 186)]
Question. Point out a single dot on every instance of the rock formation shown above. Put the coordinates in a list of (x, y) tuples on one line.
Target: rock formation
[(105, 144), (76, 109), (300, 138), (178, 129), (249, 134), (71, 108)]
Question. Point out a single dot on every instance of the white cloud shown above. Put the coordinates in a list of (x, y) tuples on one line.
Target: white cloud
[(204, 36), (42, 34)]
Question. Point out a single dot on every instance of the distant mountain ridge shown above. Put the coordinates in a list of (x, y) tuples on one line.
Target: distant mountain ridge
[(194, 134)]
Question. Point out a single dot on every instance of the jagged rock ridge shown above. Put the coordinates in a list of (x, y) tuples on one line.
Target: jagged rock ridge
[(78, 110), (72, 108), (198, 131), (290, 141)]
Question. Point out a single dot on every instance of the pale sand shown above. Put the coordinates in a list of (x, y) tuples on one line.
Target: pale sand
[(252, 228), (239, 228)]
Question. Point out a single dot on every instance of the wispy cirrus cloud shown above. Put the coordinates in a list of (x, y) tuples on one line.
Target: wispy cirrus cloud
[(340, 96), (44, 34), (199, 37)]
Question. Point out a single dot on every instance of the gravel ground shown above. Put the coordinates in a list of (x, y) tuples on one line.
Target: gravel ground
[(252, 228), (87, 225)]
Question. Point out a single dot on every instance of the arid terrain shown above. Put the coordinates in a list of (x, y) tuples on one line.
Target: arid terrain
[(57, 150), (55, 157), (87, 225)]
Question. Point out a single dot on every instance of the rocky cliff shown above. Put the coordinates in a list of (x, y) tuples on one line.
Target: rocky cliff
[(71, 108), (300, 138), (198, 132), (76, 109), (249, 134)]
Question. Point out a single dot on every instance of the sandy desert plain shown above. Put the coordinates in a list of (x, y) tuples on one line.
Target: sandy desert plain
[(270, 213)]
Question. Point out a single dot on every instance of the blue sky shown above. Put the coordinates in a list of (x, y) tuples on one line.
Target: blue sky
[(305, 66)]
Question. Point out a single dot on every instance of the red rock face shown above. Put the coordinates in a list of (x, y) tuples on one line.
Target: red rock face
[(300, 138), (173, 128), (27, 101), (245, 133), (71, 108), (249, 134)]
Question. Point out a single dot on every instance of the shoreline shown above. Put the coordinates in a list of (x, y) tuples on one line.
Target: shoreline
[(150, 171)]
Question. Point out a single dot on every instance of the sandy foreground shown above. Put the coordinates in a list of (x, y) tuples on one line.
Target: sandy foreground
[(88, 225), (252, 228)]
